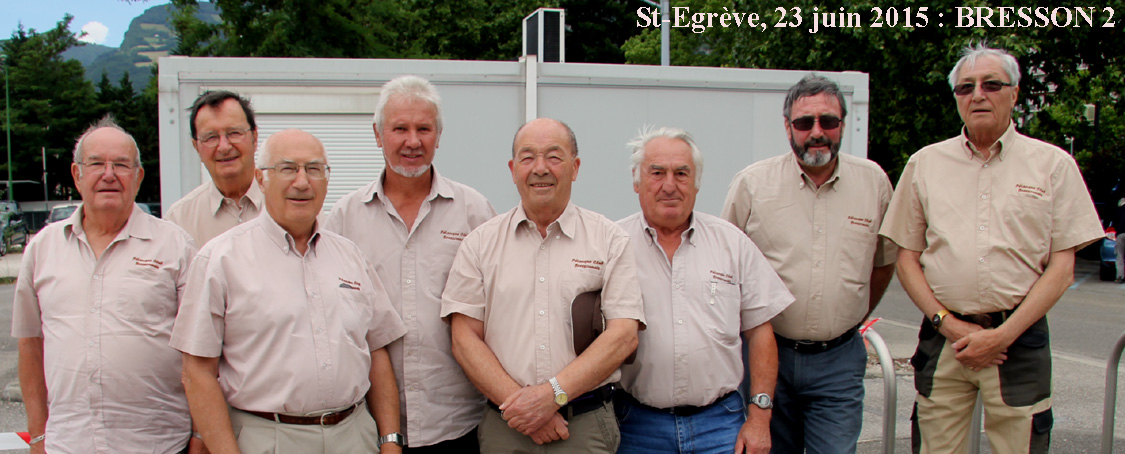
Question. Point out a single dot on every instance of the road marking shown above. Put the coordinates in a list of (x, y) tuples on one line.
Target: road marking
[(1080, 281)]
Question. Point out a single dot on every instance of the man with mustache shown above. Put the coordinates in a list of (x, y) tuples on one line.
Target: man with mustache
[(987, 223), (509, 299), (225, 135), (705, 284), (287, 324), (815, 214), (409, 223)]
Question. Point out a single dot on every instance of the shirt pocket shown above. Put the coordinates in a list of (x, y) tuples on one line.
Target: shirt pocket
[(856, 257), (355, 315), (1026, 224), (143, 296), (721, 312)]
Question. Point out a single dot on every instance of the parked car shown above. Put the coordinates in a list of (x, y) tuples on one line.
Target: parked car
[(1107, 270), (60, 212)]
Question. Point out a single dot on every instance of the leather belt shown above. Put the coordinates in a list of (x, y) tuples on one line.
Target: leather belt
[(814, 347), (585, 403), (327, 419), (987, 320), (683, 410)]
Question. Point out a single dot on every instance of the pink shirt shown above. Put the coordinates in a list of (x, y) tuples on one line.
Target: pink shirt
[(521, 286), (716, 286), (293, 333), (205, 213), (438, 402), (113, 383)]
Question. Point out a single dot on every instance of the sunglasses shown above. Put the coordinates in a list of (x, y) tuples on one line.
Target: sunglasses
[(827, 122), (989, 86)]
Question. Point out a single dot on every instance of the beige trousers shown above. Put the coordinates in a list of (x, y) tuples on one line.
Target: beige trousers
[(594, 432), (356, 434)]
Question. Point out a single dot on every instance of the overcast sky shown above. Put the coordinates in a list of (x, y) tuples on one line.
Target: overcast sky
[(104, 21)]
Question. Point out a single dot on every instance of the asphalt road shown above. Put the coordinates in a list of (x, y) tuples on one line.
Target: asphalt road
[(1085, 324)]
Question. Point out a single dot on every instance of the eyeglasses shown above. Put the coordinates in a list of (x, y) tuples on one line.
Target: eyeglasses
[(989, 86), (211, 140), (313, 170), (119, 168), (827, 122)]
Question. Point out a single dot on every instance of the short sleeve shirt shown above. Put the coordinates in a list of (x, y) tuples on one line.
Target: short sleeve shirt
[(113, 383), (986, 228), (823, 241), (521, 285), (293, 333), (205, 213), (438, 402), (716, 286)]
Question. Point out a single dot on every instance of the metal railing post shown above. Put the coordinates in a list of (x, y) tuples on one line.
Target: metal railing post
[(974, 426), (1110, 404), (890, 388)]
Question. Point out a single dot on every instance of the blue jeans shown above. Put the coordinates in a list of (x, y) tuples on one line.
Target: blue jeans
[(713, 430), (818, 403)]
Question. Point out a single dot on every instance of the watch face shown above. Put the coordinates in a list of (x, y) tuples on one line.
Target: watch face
[(763, 401), (560, 399), (936, 320)]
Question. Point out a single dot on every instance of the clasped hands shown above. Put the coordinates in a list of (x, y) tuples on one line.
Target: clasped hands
[(533, 412)]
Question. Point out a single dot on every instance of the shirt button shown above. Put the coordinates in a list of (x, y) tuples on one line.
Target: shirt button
[(93, 310), (408, 246), (409, 316), (543, 247), (96, 277), (986, 165), (982, 259), (542, 312), (542, 347), (677, 285), (92, 343), (820, 230), (409, 281), (982, 227), (325, 365), (319, 330), (542, 279), (679, 322), (984, 196), (239, 219)]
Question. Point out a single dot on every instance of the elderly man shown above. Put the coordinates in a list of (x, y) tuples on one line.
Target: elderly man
[(287, 324), (704, 284), (509, 298), (985, 263), (422, 218), (816, 214), (94, 305), (224, 134)]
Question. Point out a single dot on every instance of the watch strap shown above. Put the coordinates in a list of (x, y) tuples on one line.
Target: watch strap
[(393, 437)]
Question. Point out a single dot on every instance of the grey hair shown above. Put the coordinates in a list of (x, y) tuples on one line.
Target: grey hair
[(647, 134), (105, 122), (812, 85), (970, 54), (263, 158), (412, 87), (569, 134)]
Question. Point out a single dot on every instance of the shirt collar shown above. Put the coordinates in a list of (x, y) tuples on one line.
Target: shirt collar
[(283, 239), (136, 227), (999, 149), (567, 221), (253, 196), (803, 180), (439, 187), (688, 234)]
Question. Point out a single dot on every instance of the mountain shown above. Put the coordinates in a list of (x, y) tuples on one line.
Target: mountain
[(87, 54)]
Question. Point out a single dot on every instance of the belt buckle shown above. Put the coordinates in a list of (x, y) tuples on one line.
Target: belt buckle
[(322, 419)]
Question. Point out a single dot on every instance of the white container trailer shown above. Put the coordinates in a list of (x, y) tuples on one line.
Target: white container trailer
[(734, 114)]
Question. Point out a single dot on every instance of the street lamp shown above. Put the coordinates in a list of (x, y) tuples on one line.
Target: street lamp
[(8, 122)]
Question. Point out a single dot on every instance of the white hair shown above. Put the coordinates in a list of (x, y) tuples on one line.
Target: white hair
[(412, 87), (970, 54), (105, 122), (264, 157), (647, 134)]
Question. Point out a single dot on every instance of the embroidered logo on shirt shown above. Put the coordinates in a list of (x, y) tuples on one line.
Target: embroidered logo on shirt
[(455, 236), (344, 283), (724, 277), (1030, 191), (862, 222), (148, 262), (588, 264)]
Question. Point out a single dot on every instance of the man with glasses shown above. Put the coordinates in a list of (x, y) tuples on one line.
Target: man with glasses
[(987, 224), (288, 325), (94, 304), (224, 134), (815, 214), (421, 218)]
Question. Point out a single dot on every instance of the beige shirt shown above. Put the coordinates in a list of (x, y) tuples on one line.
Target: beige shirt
[(717, 285), (521, 286), (823, 241), (295, 333), (205, 213), (113, 383), (438, 402), (986, 229)]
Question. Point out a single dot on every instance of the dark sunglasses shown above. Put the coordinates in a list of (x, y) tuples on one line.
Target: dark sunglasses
[(989, 86), (827, 122)]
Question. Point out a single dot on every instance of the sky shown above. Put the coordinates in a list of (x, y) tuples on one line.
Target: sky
[(104, 21)]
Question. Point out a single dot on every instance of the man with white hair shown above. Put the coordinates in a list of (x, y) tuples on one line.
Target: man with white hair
[(94, 304), (409, 223), (288, 325), (985, 262), (704, 283)]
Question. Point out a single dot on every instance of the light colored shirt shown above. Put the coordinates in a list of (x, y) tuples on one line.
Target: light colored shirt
[(113, 383), (295, 332), (438, 401), (521, 286), (205, 213), (823, 241), (716, 286), (986, 228)]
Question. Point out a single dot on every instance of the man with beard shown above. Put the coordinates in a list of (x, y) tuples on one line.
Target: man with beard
[(815, 215)]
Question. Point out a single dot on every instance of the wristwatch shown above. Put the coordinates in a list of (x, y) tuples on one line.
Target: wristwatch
[(762, 400), (938, 317), (560, 396), (393, 437)]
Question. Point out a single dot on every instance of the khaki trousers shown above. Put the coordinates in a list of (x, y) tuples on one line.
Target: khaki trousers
[(1016, 396), (356, 434), (594, 432)]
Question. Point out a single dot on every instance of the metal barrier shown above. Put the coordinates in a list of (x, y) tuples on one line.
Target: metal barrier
[(1110, 405), (974, 426), (890, 387)]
